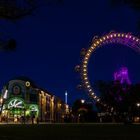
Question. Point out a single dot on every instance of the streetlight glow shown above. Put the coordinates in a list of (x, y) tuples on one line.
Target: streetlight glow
[(138, 104), (82, 101)]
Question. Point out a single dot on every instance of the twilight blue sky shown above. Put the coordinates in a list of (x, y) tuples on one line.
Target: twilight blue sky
[(49, 44)]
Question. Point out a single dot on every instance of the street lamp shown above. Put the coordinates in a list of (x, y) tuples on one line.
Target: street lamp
[(138, 105), (82, 101), (41, 106), (1, 106)]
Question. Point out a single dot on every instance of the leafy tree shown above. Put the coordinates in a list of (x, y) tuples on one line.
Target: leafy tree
[(83, 112), (122, 98)]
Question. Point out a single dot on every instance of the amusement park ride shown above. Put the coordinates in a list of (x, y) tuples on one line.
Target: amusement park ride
[(126, 39), (122, 76)]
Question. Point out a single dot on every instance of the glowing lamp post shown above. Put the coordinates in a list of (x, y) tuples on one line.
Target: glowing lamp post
[(1, 101), (138, 105), (41, 106), (82, 101), (1, 106)]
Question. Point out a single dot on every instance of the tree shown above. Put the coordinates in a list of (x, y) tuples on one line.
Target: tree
[(122, 98), (83, 112)]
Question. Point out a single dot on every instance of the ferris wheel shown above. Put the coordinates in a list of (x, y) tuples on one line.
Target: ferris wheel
[(126, 39)]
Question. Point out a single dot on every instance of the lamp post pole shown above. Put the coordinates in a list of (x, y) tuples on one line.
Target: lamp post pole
[(1, 106), (24, 109), (138, 105)]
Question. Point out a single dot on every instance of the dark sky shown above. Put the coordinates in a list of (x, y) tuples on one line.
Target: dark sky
[(49, 44)]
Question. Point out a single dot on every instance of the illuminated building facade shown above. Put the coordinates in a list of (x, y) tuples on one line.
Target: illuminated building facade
[(22, 100)]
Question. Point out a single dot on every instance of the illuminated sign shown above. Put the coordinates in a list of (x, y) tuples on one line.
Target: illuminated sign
[(5, 94), (33, 108), (27, 84), (15, 103)]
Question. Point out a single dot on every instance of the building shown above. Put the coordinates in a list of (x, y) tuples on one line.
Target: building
[(23, 101)]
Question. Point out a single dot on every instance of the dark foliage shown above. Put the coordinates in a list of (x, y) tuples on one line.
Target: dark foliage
[(11, 45), (83, 112), (123, 98), (8, 45)]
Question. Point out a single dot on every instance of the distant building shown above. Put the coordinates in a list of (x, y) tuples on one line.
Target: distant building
[(23, 100)]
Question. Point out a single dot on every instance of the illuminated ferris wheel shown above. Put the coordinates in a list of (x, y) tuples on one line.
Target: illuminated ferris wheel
[(126, 39)]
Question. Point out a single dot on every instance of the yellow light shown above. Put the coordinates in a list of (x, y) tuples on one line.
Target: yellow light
[(138, 104), (97, 42), (95, 97), (88, 54), (27, 84), (138, 118), (101, 40), (67, 106), (104, 38), (95, 45), (85, 78), (92, 47), (27, 112), (59, 104), (122, 35), (85, 61), (1, 100), (89, 50), (82, 101), (119, 35), (84, 66), (134, 38), (88, 86)]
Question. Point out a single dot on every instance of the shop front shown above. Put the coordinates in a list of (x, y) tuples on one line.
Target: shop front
[(16, 110)]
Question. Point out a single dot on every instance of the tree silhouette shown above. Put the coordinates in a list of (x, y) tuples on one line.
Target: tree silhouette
[(83, 112), (122, 98), (17, 9)]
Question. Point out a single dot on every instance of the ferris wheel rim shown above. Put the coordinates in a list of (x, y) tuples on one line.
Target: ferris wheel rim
[(126, 39)]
